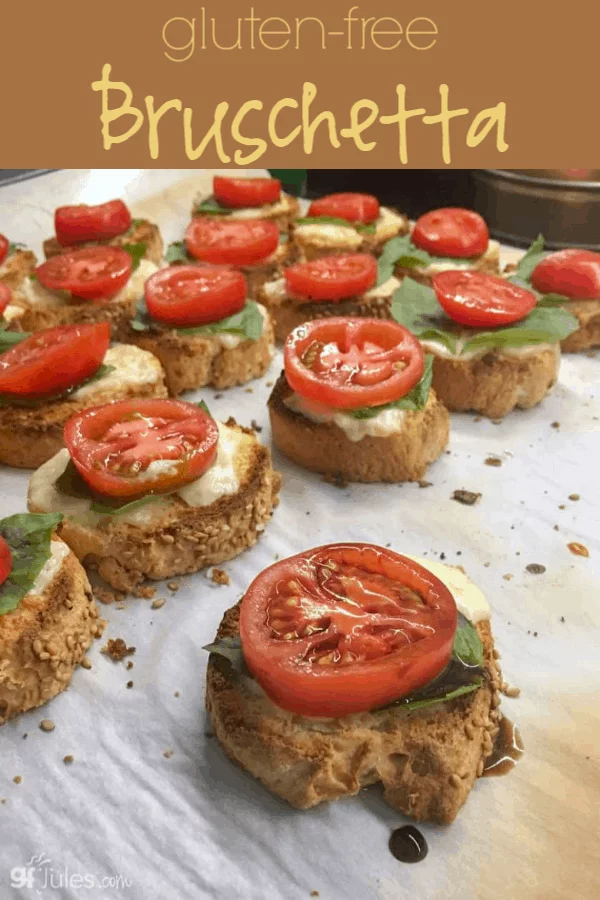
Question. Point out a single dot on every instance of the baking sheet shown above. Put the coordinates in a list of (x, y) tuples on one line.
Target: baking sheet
[(126, 820)]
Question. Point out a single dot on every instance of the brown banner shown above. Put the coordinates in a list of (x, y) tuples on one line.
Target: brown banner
[(272, 82)]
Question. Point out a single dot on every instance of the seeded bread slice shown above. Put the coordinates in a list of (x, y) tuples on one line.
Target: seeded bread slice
[(587, 313), (141, 231), (427, 759), (44, 639), (16, 267)]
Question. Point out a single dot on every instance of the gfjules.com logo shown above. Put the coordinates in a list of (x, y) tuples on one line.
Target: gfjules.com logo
[(41, 876)]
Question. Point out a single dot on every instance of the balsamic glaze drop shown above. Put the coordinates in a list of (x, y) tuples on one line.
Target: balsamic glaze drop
[(508, 749), (408, 845)]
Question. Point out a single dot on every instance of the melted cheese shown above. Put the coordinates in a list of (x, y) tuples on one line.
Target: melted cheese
[(34, 294), (493, 249), (58, 553), (231, 341), (443, 352), (346, 237), (470, 600), (386, 423), (268, 211), (133, 367)]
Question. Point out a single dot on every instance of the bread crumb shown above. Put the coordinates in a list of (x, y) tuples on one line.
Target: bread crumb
[(507, 577), (129, 684), (68, 759), (248, 390), (493, 461), (47, 725), (168, 753), (129, 665), (425, 484), (145, 592), (574, 497), (219, 576), (18, 779), (173, 585), (106, 596), (535, 569), (255, 426), (176, 694), (158, 604), (467, 498), (555, 425), (578, 549), (117, 649)]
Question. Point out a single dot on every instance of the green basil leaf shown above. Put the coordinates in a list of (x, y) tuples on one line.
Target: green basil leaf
[(33, 277), (247, 323), (416, 399), (135, 223), (32, 402), (105, 509), (334, 220), (28, 535), (416, 307), (468, 648), (15, 245), (211, 207), (400, 251), (73, 485), (534, 255), (443, 698), (202, 405), (231, 650), (177, 253), (8, 339), (543, 325), (137, 253)]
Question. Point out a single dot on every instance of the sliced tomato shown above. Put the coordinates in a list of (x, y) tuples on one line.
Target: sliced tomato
[(572, 273), (5, 560), (49, 362), (76, 224), (194, 295), (352, 363), (482, 301), (137, 447), (238, 193), (5, 296), (451, 232), (352, 207), (4, 248), (332, 278), (234, 242), (89, 273), (345, 628)]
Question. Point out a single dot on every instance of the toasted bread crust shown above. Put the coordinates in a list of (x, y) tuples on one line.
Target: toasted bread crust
[(144, 231), (31, 435), (587, 313), (489, 263), (44, 639), (117, 313), (495, 384), (183, 538), (325, 448), (16, 267), (193, 361), (427, 759)]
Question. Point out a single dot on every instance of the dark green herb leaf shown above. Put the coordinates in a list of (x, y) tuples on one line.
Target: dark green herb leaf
[(416, 307), (211, 207), (468, 647), (73, 485), (416, 398), (543, 325), (333, 220), (177, 253), (231, 650), (15, 245), (28, 535), (443, 698), (105, 509), (202, 405), (247, 323), (8, 339), (534, 255), (33, 277), (137, 253), (289, 176), (400, 251)]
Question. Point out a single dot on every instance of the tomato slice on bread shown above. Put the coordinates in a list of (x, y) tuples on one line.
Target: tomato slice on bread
[(482, 301), (573, 273), (77, 224), (451, 231), (88, 273), (5, 296), (347, 363), (345, 628), (234, 242), (4, 248), (353, 207), (239, 193), (332, 278), (136, 447), (5, 560), (50, 362), (194, 295)]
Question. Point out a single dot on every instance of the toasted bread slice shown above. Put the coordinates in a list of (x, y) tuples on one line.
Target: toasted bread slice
[(316, 240), (282, 213), (47, 635), (496, 382), (488, 263), (141, 231), (288, 312), (427, 759), (30, 435), (18, 266), (325, 447), (587, 336), (170, 536), (194, 360)]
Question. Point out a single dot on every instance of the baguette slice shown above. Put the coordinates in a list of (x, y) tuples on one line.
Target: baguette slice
[(141, 231), (192, 361), (325, 448), (46, 637), (314, 240), (497, 382), (489, 263), (587, 336), (29, 436), (18, 266), (168, 536), (427, 759)]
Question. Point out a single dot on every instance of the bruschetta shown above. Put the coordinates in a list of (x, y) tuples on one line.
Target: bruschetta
[(355, 402), (350, 664), (49, 376), (151, 489), (16, 263), (249, 198), (48, 616), (199, 322)]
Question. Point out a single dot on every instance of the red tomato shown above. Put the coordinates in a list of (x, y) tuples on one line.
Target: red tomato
[(234, 242), (482, 301), (5, 296), (332, 277), (345, 628), (77, 224), (194, 295), (352, 363), (451, 232), (90, 273), (119, 448), (51, 361), (4, 247), (5, 561), (352, 207), (246, 192), (572, 273)]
